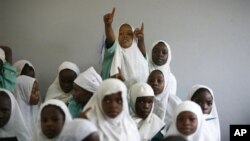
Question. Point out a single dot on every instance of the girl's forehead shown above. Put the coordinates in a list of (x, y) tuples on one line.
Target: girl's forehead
[(125, 27), (156, 73)]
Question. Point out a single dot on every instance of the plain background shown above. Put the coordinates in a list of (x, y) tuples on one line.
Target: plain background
[(210, 41)]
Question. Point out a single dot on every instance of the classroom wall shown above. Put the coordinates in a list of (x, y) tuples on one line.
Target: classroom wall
[(210, 41)]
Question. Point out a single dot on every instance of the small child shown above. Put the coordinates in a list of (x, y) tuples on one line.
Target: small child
[(7, 71), (12, 126), (188, 122), (160, 58), (110, 113), (125, 51), (204, 96), (79, 130), (141, 104), (165, 103), (28, 98), (85, 85), (24, 67), (62, 86), (52, 116)]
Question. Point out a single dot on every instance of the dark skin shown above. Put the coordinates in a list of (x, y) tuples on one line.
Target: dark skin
[(35, 94), (92, 137), (28, 70), (143, 106), (52, 121), (156, 81), (66, 79), (112, 104), (81, 95), (186, 123), (160, 54), (204, 98), (5, 108)]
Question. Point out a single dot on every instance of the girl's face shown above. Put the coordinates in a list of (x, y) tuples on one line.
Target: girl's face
[(112, 104), (81, 95), (52, 121), (28, 70), (156, 81), (160, 54), (35, 94), (126, 36), (66, 79), (204, 99), (187, 123), (143, 106), (5, 109)]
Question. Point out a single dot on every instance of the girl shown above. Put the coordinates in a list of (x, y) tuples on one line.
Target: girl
[(24, 67), (85, 85), (7, 71), (110, 113), (52, 116), (28, 96), (62, 86), (204, 96), (12, 125), (188, 122), (142, 103), (79, 130), (127, 52), (165, 103), (160, 58)]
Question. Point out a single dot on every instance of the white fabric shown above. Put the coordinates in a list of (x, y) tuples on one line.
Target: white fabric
[(15, 127), (165, 68), (55, 91), (150, 126), (77, 130), (133, 64), (22, 92), (20, 64), (2, 55), (194, 108), (89, 80), (39, 136), (120, 128), (212, 119)]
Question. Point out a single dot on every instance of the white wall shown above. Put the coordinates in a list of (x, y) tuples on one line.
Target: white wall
[(209, 40)]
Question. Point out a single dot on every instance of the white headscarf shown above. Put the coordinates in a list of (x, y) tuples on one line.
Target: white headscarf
[(15, 127), (89, 80), (132, 63), (165, 68), (39, 136), (55, 91), (2, 55), (194, 108), (212, 119), (150, 126), (77, 130), (20, 64), (22, 92), (120, 128)]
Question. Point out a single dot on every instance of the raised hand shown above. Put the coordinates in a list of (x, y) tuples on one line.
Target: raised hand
[(108, 18), (119, 75), (84, 114), (139, 32)]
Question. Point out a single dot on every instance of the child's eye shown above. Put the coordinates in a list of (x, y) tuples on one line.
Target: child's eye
[(106, 101), (119, 101)]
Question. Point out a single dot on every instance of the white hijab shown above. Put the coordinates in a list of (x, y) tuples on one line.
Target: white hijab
[(89, 80), (39, 136), (16, 126), (165, 68), (55, 91), (194, 108), (20, 64), (2, 55), (150, 126), (77, 130), (22, 92), (133, 64), (120, 128), (212, 119)]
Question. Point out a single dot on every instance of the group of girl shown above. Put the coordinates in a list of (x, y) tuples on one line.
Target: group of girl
[(134, 98)]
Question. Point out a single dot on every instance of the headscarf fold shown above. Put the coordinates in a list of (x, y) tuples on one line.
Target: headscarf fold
[(2, 55), (19, 65)]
